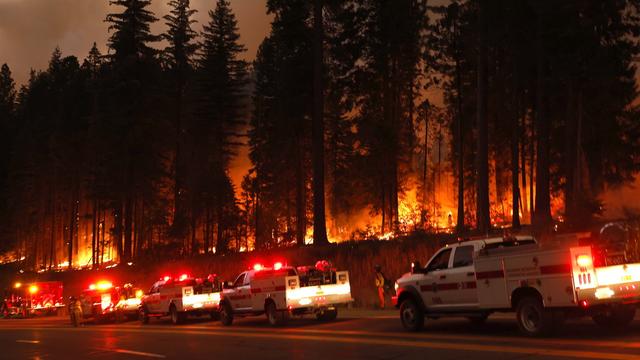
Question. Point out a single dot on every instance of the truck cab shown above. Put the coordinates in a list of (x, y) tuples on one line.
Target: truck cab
[(281, 291), (542, 284), (179, 297)]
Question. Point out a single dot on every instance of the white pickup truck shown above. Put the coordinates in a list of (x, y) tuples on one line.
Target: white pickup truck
[(543, 284), (178, 298), (281, 291)]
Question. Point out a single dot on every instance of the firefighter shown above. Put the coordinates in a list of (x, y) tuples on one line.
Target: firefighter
[(75, 311), (380, 284)]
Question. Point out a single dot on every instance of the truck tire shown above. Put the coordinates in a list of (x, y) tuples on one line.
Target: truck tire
[(411, 315), (275, 317), (616, 318), (533, 319), (327, 314), (176, 316), (144, 315), (226, 314), (119, 317)]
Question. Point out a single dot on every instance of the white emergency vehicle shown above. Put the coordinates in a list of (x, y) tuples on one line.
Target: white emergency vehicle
[(180, 297), (281, 291), (543, 284)]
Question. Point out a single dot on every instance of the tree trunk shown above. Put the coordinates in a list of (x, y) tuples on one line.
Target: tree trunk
[(301, 217), (94, 232), (128, 227), (319, 220), (542, 212), (460, 141), (482, 166), (515, 169), (424, 219)]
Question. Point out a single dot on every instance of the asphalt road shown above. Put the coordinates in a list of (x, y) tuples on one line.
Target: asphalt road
[(355, 335)]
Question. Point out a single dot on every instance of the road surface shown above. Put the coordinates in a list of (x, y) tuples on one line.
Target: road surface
[(355, 335)]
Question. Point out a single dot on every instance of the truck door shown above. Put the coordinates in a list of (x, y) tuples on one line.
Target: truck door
[(152, 301), (461, 278), (241, 298), (433, 294)]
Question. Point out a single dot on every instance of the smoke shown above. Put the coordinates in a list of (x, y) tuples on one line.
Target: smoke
[(31, 29)]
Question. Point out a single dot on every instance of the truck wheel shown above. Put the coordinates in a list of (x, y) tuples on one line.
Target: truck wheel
[(119, 317), (411, 315), (615, 318), (533, 318), (327, 314), (226, 314), (275, 317), (176, 317), (144, 316)]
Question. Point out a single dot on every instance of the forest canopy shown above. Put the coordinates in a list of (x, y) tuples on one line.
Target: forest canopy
[(401, 116)]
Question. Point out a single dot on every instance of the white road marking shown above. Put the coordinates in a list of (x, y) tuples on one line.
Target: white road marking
[(28, 341), (139, 353)]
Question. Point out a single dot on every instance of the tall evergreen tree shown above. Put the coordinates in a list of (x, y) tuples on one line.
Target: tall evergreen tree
[(135, 160), (7, 112), (318, 149), (221, 87), (179, 53)]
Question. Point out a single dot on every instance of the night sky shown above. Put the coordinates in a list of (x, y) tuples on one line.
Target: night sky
[(31, 29)]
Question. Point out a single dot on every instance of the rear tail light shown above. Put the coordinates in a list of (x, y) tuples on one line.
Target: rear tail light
[(584, 261)]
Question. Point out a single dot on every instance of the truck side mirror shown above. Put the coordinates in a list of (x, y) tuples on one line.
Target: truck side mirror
[(416, 268)]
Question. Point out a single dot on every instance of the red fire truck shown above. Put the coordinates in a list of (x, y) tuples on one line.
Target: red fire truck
[(281, 291), (38, 298), (102, 301)]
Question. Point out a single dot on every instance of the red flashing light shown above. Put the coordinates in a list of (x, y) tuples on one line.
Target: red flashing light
[(584, 303), (257, 267), (584, 261), (277, 266), (166, 278), (103, 285), (184, 277), (92, 287)]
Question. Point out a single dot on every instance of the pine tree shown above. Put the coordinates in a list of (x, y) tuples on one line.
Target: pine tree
[(318, 148), (135, 161), (221, 81), (7, 128), (179, 54), (131, 30)]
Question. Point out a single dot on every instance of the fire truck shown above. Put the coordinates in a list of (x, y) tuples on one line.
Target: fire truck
[(281, 291), (128, 305), (33, 299), (180, 297), (543, 284), (101, 301)]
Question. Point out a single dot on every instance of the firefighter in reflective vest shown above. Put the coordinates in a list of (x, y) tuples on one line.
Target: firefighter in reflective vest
[(75, 310), (380, 282)]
